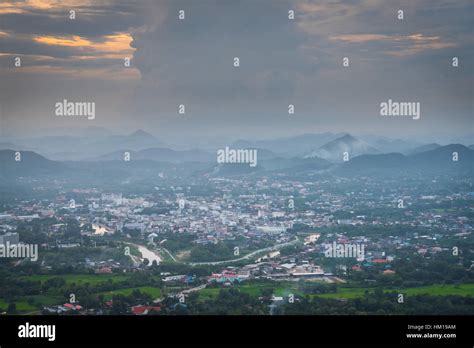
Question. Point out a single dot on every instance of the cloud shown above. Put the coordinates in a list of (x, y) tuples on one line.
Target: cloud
[(193, 58), (282, 61), (42, 28), (400, 45), (112, 46)]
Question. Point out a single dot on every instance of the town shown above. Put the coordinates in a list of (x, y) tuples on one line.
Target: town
[(266, 240)]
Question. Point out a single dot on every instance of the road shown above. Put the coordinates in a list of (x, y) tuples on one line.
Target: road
[(167, 251)]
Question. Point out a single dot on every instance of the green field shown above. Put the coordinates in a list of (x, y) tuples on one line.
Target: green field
[(284, 289), (154, 292), (22, 304), (343, 293), (434, 290), (78, 278), (254, 289), (442, 290)]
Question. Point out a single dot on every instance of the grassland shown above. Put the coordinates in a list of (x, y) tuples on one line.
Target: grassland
[(255, 289), (284, 289), (433, 290), (79, 278), (31, 303), (152, 291)]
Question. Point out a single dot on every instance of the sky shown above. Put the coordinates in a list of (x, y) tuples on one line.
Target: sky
[(283, 61)]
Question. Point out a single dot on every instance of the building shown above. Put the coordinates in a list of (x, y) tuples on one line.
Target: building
[(271, 229), (136, 226), (307, 271), (5, 217), (174, 278), (143, 310), (225, 277), (313, 238), (112, 198)]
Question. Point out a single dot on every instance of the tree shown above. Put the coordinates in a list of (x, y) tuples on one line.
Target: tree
[(11, 308)]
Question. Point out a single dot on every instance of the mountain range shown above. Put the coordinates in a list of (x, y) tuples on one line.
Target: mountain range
[(67, 147), (313, 153), (96, 143), (440, 160), (436, 161)]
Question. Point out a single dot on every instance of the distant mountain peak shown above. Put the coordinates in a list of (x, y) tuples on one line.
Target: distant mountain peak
[(333, 150), (346, 137), (140, 133)]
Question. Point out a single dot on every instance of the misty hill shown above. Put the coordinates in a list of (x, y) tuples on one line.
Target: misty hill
[(443, 157), (138, 140), (388, 145), (424, 148), (437, 161), (160, 155), (392, 163), (185, 163), (64, 148), (471, 147), (141, 134), (272, 166), (38, 169), (9, 146), (31, 164), (289, 146), (334, 150), (174, 156)]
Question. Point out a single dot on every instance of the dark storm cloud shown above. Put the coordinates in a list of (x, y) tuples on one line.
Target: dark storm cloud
[(194, 57), (91, 22), (300, 61), (281, 61)]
